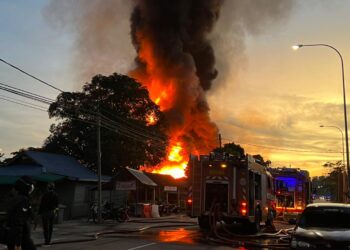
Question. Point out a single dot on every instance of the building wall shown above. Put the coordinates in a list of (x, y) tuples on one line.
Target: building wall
[(76, 197), (65, 192), (80, 205)]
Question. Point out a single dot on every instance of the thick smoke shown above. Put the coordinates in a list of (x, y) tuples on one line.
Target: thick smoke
[(240, 19), (100, 29), (174, 56), (173, 50)]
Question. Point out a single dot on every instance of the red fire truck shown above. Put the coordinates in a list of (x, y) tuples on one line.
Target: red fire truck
[(293, 191), (241, 187)]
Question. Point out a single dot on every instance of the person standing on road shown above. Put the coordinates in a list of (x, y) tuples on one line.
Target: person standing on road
[(19, 215), (47, 209)]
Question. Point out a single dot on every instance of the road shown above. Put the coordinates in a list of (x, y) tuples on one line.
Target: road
[(169, 239), (157, 238)]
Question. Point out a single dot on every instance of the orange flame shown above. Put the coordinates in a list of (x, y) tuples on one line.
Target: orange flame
[(151, 119), (174, 89), (175, 165)]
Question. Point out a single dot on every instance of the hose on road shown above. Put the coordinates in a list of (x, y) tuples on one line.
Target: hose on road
[(219, 237), (98, 235)]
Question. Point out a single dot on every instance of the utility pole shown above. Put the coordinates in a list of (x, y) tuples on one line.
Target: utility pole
[(99, 168), (220, 144)]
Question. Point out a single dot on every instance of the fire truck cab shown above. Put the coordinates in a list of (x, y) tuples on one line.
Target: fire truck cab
[(241, 187)]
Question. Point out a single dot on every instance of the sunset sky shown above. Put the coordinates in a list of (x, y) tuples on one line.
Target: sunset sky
[(268, 97)]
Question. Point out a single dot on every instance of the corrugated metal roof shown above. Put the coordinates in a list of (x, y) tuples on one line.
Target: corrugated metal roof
[(11, 179), (62, 165), (21, 170), (142, 177), (166, 180), (54, 164)]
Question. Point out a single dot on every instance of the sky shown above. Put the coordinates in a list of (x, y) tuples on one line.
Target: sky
[(269, 98)]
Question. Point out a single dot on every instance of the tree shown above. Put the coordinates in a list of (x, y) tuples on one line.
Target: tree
[(328, 185), (231, 148), (1, 155), (124, 107), (15, 153), (237, 150), (261, 160)]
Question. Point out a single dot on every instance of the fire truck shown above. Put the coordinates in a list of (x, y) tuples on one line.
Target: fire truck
[(241, 187), (293, 191)]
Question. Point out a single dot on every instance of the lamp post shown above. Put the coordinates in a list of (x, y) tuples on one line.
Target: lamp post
[(295, 47), (342, 138)]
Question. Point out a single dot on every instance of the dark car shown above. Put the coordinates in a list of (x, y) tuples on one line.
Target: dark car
[(323, 226)]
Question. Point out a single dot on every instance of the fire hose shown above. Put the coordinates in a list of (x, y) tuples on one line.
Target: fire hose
[(117, 233), (241, 241), (215, 236)]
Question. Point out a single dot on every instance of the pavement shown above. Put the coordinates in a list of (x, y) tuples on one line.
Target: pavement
[(177, 228), (81, 230)]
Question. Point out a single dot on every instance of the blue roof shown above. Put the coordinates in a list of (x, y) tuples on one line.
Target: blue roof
[(21, 170), (52, 164)]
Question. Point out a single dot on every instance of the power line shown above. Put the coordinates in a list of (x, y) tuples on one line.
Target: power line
[(25, 94), (22, 104), (125, 120), (36, 97), (30, 75), (108, 123), (25, 91), (132, 130), (284, 149)]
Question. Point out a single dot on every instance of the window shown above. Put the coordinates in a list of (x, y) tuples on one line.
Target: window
[(285, 200), (325, 217), (257, 186)]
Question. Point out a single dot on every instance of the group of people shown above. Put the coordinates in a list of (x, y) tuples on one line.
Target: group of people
[(19, 215)]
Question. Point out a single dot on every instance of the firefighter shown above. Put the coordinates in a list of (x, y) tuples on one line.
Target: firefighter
[(48, 209), (270, 226), (19, 216)]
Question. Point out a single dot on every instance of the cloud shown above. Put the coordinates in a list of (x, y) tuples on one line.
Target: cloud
[(283, 128)]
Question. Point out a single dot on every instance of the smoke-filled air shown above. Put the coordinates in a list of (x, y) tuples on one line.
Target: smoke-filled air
[(175, 61), (174, 57)]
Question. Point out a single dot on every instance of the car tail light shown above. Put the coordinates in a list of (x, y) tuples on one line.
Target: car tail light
[(189, 201)]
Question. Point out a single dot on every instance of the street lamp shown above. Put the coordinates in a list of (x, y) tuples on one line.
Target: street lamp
[(295, 47), (342, 138)]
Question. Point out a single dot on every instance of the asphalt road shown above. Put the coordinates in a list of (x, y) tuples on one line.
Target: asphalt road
[(155, 240), (162, 239)]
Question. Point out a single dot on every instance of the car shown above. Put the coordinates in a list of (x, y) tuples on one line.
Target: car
[(323, 226)]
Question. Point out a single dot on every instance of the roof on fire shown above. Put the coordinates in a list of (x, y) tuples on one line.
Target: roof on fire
[(141, 176), (166, 180)]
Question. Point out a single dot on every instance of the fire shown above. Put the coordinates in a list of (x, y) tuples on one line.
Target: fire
[(162, 91), (175, 165), (151, 119), (169, 73)]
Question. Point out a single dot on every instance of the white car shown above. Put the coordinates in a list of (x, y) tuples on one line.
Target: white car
[(323, 226)]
